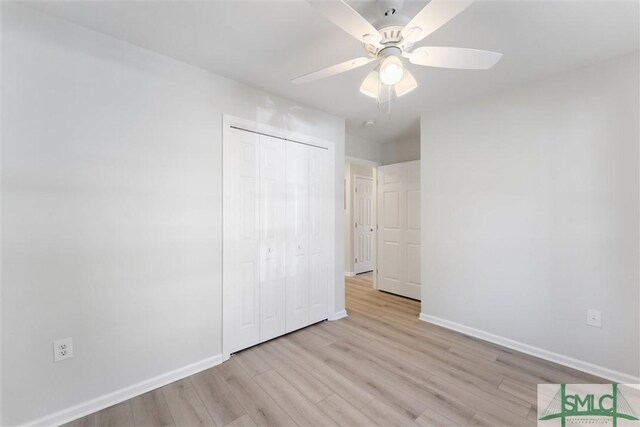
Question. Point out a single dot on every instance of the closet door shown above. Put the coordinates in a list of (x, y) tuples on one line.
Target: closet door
[(318, 201), (241, 241), (297, 220), (272, 237)]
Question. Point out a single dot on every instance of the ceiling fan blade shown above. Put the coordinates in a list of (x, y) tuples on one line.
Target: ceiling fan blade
[(433, 16), (333, 70), (345, 17), (454, 57), (406, 84)]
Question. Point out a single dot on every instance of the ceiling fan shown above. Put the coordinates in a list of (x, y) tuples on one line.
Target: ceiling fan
[(392, 38)]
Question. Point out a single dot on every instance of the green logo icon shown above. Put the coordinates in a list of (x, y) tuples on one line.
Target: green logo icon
[(613, 406)]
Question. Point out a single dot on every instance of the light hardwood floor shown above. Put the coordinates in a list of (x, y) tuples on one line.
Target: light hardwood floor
[(380, 366)]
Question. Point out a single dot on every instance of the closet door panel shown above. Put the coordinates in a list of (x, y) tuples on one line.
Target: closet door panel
[(318, 274), (272, 238), (241, 241), (297, 229)]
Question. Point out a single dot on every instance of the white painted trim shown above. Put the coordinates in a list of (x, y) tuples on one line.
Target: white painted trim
[(349, 273), (339, 315), (362, 162), (115, 397), (251, 125), (580, 365)]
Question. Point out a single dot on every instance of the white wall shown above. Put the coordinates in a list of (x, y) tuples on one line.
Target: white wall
[(351, 170), (111, 213), (403, 150), (530, 214), (363, 149)]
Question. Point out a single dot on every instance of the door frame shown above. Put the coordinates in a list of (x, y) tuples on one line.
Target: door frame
[(374, 165), (229, 122)]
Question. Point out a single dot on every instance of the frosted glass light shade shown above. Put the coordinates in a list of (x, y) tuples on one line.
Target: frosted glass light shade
[(406, 84), (391, 70)]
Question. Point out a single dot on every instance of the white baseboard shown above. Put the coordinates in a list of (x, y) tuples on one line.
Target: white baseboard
[(338, 315), (110, 399), (349, 273), (560, 359)]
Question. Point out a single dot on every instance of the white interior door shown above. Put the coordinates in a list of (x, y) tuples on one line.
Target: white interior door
[(241, 241), (272, 237), (318, 231), (399, 229), (297, 217), (363, 224)]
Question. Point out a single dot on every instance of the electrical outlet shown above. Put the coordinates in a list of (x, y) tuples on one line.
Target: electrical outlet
[(62, 349), (594, 318)]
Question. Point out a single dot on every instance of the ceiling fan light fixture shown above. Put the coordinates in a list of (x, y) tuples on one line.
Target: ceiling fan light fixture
[(391, 70), (370, 84), (406, 85)]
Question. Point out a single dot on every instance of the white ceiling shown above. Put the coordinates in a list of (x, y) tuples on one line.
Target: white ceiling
[(266, 43)]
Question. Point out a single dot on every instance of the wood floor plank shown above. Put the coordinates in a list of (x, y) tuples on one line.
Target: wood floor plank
[(356, 395), (120, 415), (387, 415), (256, 402), (431, 418), (251, 361), (216, 396), (524, 392), (151, 410), (477, 402), (185, 405), (343, 413), (243, 421), (377, 381), (299, 408), (312, 388), (88, 421), (484, 419)]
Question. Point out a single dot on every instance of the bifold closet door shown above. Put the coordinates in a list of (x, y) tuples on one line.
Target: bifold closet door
[(275, 254), (272, 237), (318, 232), (241, 252), (297, 220)]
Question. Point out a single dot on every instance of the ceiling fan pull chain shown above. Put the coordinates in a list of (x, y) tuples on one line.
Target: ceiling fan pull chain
[(389, 102), (379, 92)]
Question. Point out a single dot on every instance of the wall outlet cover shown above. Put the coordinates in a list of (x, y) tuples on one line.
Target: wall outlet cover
[(594, 318), (62, 349)]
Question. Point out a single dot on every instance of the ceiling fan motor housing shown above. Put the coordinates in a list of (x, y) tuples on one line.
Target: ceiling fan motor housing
[(389, 26)]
